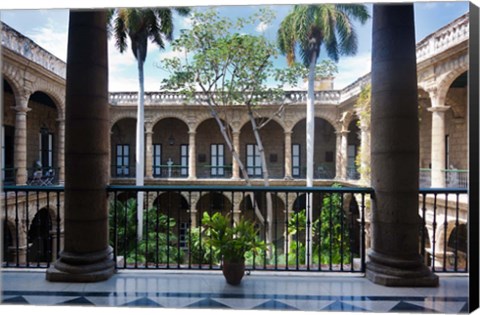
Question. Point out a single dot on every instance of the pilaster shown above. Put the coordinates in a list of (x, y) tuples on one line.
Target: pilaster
[(288, 155), (192, 154)]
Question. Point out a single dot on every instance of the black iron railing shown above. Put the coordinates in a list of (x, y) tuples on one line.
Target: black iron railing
[(32, 225), (443, 238), (172, 237)]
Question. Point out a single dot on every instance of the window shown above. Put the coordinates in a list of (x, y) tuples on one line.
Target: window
[(123, 160), (254, 161), (217, 160), (184, 160), (352, 172), (296, 160), (157, 160), (45, 154)]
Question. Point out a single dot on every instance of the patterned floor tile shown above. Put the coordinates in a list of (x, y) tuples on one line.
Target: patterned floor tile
[(143, 302), (274, 305), (14, 300), (441, 306), (409, 307), (207, 303), (306, 305), (374, 306), (241, 303), (339, 306), (176, 302), (77, 301), (47, 299)]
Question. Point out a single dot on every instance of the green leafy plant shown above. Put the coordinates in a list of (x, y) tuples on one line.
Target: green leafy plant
[(159, 242), (231, 242)]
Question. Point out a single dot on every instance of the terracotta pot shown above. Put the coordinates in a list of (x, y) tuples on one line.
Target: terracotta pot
[(233, 271)]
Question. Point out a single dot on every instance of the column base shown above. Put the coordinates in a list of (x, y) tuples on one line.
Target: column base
[(90, 267), (399, 273)]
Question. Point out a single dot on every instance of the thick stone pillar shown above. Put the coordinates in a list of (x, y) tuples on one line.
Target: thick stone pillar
[(394, 258), (192, 156), (438, 143), (341, 158), (87, 256), (236, 147), (288, 155), (148, 153), (61, 150), (20, 141)]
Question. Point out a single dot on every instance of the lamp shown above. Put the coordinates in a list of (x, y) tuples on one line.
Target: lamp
[(171, 140)]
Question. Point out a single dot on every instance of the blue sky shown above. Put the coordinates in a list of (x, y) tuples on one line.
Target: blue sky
[(49, 27)]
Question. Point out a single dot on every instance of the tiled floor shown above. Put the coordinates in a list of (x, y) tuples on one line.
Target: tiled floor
[(258, 291)]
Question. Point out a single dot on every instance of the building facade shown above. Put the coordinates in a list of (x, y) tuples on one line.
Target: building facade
[(184, 145)]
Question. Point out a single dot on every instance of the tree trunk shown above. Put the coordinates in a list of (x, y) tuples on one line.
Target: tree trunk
[(258, 139), (310, 137), (237, 158), (140, 146)]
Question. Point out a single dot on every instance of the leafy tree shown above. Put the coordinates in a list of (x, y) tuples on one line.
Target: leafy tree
[(229, 68), (363, 109), (141, 26)]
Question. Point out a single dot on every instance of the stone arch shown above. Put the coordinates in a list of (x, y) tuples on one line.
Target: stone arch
[(453, 70), (56, 94), (121, 116), (174, 205), (212, 202), (40, 248), (278, 220), (15, 78), (325, 148), (170, 115), (330, 118)]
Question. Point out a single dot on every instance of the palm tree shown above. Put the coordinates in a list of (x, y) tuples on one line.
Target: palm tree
[(141, 26), (307, 28)]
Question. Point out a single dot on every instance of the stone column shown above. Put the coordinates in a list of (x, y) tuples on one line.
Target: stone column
[(20, 141), (438, 143), (341, 159), (365, 154), (288, 155), (148, 153), (61, 150), (192, 154), (394, 258), (87, 256), (236, 147)]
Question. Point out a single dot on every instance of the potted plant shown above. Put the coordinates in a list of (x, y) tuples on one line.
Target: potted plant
[(231, 241)]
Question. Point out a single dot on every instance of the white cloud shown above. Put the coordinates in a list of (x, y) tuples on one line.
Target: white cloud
[(262, 27), (51, 37), (352, 68)]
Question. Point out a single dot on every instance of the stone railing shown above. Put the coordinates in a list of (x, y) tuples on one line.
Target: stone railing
[(446, 37), (27, 48), (177, 98)]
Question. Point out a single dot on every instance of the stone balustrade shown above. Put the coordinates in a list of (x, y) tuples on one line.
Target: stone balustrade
[(448, 36)]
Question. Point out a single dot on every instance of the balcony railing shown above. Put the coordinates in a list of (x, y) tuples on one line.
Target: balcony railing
[(32, 219), (453, 178)]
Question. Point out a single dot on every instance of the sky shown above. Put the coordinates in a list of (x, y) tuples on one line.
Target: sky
[(49, 27)]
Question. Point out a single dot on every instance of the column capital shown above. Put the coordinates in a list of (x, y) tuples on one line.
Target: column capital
[(438, 109), (21, 109), (149, 132), (192, 132), (288, 132)]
